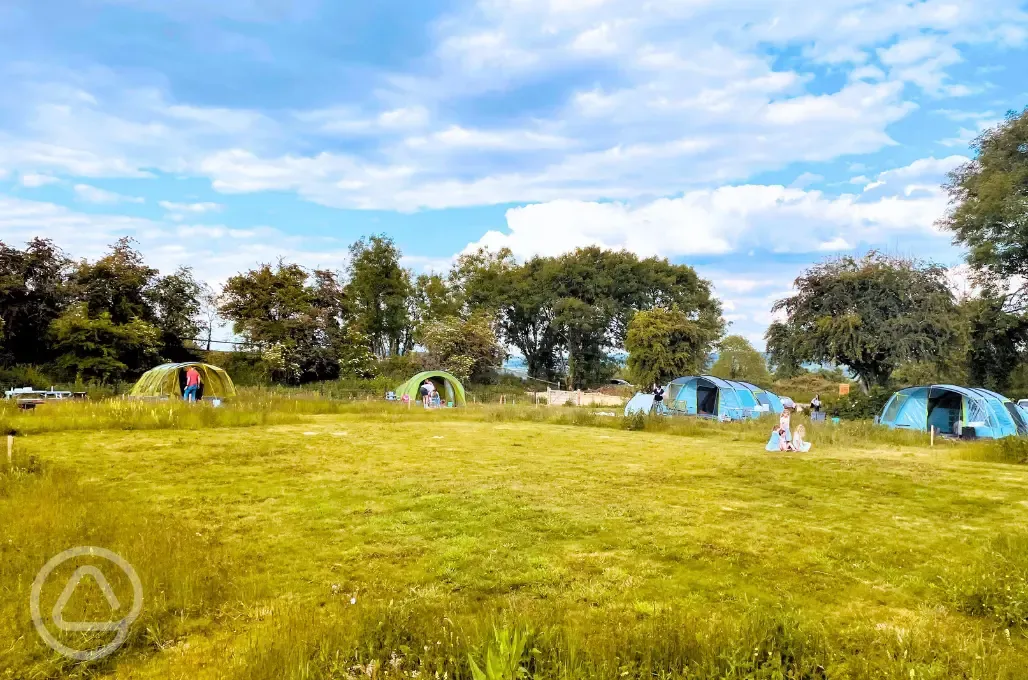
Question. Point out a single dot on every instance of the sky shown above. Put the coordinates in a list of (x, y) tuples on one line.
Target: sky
[(747, 138)]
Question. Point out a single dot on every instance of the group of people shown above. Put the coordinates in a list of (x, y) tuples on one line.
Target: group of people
[(782, 436)]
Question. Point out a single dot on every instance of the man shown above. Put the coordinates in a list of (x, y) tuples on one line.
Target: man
[(192, 384)]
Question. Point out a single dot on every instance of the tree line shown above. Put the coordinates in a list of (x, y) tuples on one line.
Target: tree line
[(114, 318)]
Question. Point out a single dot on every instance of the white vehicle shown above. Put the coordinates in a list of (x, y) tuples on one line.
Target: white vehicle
[(1023, 403)]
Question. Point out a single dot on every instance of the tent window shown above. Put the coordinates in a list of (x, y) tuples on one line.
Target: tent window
[(894, 408), (673, 390)]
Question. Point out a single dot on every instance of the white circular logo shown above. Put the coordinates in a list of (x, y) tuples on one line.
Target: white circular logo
[(120, 628)]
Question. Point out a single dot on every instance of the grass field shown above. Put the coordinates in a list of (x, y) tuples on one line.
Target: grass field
[(282, 539)]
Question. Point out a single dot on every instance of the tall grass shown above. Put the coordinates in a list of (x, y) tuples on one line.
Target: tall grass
[(263, 407), (189, 576)]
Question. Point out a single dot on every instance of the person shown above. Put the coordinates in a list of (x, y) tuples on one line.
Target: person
[(815, 404), (658, 398), (429, 392), (774, 442), (193, 382), (799, 442), (783, 442), (423, 394), (785, 423)]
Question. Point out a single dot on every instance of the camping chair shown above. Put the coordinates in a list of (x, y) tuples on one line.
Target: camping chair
[(818, 417)]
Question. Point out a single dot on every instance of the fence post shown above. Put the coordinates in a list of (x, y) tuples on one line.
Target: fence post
[(10, 451)]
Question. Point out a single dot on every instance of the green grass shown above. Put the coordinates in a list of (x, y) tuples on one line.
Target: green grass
[(285, 538)]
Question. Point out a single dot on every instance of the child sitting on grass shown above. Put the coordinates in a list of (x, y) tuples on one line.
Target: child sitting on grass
[(799, 442)]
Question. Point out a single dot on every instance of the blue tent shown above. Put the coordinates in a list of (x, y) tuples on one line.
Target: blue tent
[(711, 397), (953, 410)]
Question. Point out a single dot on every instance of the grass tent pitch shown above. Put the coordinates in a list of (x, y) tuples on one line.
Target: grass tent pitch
[(168, 380), (449, 388)]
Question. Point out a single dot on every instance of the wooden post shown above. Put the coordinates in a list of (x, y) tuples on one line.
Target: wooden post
[(10, 451), (932, 435)]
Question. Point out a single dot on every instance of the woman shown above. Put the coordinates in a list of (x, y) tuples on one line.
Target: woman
[(815, 404)]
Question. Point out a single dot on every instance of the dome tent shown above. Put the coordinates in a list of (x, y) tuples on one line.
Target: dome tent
[(168, 380), (449, 388), (954, 410)]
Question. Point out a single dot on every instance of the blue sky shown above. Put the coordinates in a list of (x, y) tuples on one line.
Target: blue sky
[(749, 139)]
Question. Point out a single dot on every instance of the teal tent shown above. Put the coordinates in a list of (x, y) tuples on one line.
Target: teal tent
[(710, 397), (952, 410)]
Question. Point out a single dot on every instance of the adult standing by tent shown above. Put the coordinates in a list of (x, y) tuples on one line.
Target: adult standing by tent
[(193, 382), (658, 398), (815, 404)]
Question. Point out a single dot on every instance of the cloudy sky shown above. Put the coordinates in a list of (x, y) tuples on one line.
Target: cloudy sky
[(748, 138)]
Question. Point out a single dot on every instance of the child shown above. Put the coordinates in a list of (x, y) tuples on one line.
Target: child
[(798, 440)]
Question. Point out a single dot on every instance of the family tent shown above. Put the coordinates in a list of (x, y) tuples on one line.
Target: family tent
[(169, 380), (710, 397), (449, 388), (952, 410)]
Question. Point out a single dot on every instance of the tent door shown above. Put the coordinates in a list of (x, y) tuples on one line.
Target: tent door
[(944, 411), (706, 400)]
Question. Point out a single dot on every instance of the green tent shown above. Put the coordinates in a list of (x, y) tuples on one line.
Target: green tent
[(449, 388), (168, 380)]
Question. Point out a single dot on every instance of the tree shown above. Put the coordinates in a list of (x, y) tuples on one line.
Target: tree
[(871, 314), (378, 295), (989, 205), (997, 342), (292, 317), (467, 348), (119, 303), (177, 305), (737, 360), (118, 284), (95, 347), (209, 314), (33, 292), (664, 344)]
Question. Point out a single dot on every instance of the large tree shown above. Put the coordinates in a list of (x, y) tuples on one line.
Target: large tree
[(871, 314), (664, 344), (989, 206), (33, 292), (468, 348), (124, 316), (293, 317), (378, 295), (738, 360)]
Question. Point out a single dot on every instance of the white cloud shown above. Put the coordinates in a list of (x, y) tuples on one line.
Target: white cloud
[(34, 180), (719, 221), (215, 252), (456, 137), (91, 194), (196, 208)]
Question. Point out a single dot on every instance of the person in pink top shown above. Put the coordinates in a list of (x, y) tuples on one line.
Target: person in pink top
[(192, 384)]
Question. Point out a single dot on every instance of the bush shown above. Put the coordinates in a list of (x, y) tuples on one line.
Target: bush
[(859, 406)]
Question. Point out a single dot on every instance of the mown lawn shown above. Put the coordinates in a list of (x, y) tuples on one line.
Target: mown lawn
[(355, 545)]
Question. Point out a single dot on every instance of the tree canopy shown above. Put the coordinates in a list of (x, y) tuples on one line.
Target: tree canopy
[(989, 205), (871, 314), (664, 344), (738, 360)]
